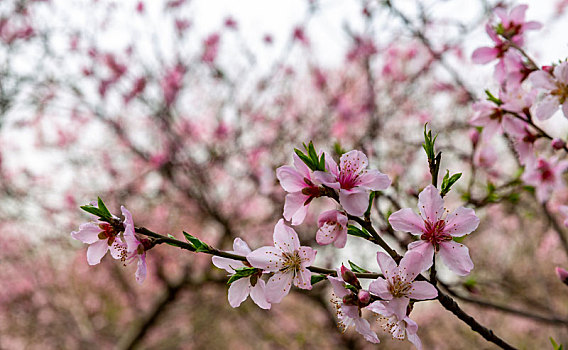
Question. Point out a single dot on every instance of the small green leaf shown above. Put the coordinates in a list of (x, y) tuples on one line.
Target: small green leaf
[(103, 209), (372, 196), (555, 345), (241, 273), (356, 231), (92, 210), (321, 166), (448, 182), (459, 239), (197, 244), (317, 278), (356, 268), (492, 98), (338, 149)]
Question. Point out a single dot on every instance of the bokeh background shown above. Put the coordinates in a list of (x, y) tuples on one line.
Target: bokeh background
[(182, 110)]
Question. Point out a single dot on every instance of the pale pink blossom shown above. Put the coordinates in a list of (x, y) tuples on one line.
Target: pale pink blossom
[(135, 248), (210, 48), (301, 187), (332, 228), (101, 238), (556, 86), (399, 328), (398, 286), (513, 23), (287, 259), (545, 176), (353, 180), (493, 119), (436, 232), (349, 310), (241, 288)]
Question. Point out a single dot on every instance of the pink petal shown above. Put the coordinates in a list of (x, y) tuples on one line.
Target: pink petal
[(398, 306), (546, 107), (353, 162), (117, 250), (303, 279), (294, 208), (456, 257), (407, 220), (532, 25), (561, 73), (517, 14), (303, 169), (412, 335), (331, 165), (285, 238), (227, 264), (427, 250), (88, 233), (387, 264), (328, 215), (484, 55), (128, 222), (327, 179), (565, 109), (327, 233), (266, 258), (422, 290), (290, 179), (374, 180), (380, 288), (363, 327), (308, 255), (411, 265), (258, 296), (141, 269), (341, 238), (380, 308), (461, 221), (239, 291), (278, 287), (431, 204), (338, 286), (240, 247), (543, 80), (96, 251), (500, 72), (355, 202)]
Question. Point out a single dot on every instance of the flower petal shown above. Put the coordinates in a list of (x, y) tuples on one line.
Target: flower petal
[(327, 179), (461, 221), (546, 107), (96, 251), (374, 180), (227, 264), (338, 286), (285, 238), (294, 208), (431, 204), (278, 287), (387, 264), (363, 327), (355, 201), (327, 233), (308, 255), (456, 257), (353, 162), (411, 265), (239, 291), (484, 55), (257, 295), (303, 279), (290, 179), (141, 270), (88, 233), (302, 168), (380, 288), (240, 247), (422, 290), (543, 80), (427, 250), (398, 306), (407, 220), (266, 258)]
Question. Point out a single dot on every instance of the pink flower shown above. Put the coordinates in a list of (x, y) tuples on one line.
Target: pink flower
[(545, 175), (353, 181), (102, 237), (400, 329), (332, 228), (513, 24), (349, 310), (436, 232), (301, 188), (135, 249), (287, 259), (399, 286), (492, 118), (556, 86), (211, 48), (241, 288)]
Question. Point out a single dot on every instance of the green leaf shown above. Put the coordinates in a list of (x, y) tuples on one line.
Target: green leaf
[(338, 149), (492, 98), (555, 345), (305, 159), (372, 196), (356, 268), (312, 152), (197, 244), (317, 278), (242, 272), (459, 239), (103, 209), (92, 210), (321, 166), (448, 182), (356, 231)]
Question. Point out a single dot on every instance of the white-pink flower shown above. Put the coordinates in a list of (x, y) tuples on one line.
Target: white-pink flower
[(353, 180), (241, 288), (134, 249), (436, 231), (101, 238), (556, 86), (399, 328), (398, 286), (287, 259), (350, 314), (301, 188), (545, 176), (332, 228)]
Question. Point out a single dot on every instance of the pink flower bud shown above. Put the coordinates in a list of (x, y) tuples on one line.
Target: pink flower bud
[(558, 144), (349, 277), (364, 297), (548, 69), (474, 136), (562, 274)]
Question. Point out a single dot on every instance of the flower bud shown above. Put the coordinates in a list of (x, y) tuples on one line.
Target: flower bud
[(350, 299), (349, 277), (558, 144), (562, 274), (474, 136), (364, 297)]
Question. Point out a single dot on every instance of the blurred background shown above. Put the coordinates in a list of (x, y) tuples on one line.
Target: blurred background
[(181, 111)]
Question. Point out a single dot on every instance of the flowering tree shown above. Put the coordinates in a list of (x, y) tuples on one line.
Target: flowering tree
[(193, 142)]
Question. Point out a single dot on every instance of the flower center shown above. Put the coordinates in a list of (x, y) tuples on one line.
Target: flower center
[(292, 262), (546, 173), (347, 179), (561, 92), (398, 287), (434, 233)]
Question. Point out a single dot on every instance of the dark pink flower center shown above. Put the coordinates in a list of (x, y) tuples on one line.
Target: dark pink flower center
[(546, 173), (434, 233), (348, 179), (107, 232)]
